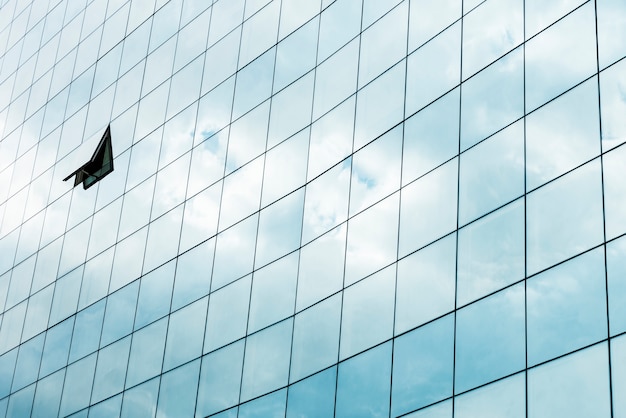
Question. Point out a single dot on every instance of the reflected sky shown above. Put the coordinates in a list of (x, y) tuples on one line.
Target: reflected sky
[(296, 185)]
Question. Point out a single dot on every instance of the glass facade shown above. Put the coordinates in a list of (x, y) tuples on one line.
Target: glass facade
[(348, 208)]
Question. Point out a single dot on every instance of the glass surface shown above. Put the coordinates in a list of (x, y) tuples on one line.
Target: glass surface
[(291, 110), (273, 292), (428, 209), (295, 55), (108, 408), (241, 195), (567, 307), (314, 396), (433, 69), (177, 393), (254, 83), (335, 78), (616, 271), (141, 401), (380, 105), (564, 218), (77, 386), (57, 347), (384, 43), (280, 227), (440, 410), (614, 192), (493, 98), (431, 137), (266, 364), (612, 105), (490, 339), (367, 317), (340, 22), (376, 170), (36, 319), (285, 167), (111, 370), (227, 318), (560, 57), (572, 386), (163, 239), (491, 253), (541, 14), (128, 259), (426, 284), (193, 274), (27, 365), (271, 405), (372, 239), (184, 334), (567, 127), (65, 301), (87, 329), (247, 139), (505, 398), (48, 395), (423, 366), (315, 338), (234, 252), (492, 173), (363, 384), (610, 17), (220, 379), (146, 352), (20, 403), (120, 314), (618, 374), (259, 32), (155, 294)]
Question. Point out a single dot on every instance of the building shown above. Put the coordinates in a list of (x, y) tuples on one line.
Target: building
[(349, 208)]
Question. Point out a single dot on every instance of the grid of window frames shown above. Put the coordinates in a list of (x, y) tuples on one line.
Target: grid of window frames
[(319, 208)]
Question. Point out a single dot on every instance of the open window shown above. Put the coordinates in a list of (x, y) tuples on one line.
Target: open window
[(100, 164)]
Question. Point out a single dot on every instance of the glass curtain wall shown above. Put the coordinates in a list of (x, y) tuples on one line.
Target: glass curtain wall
[(320, 208)]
